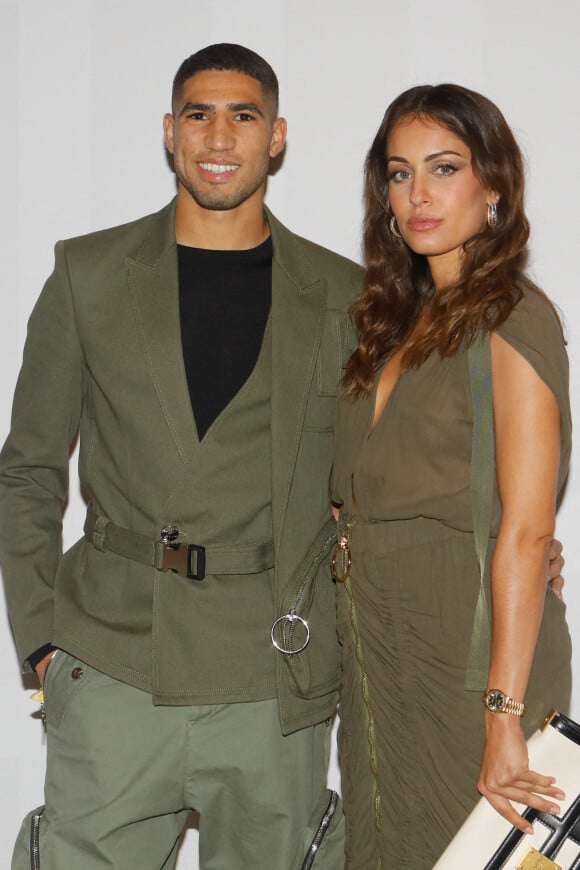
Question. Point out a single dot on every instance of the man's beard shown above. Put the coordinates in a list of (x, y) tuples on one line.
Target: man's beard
[(217, 200)]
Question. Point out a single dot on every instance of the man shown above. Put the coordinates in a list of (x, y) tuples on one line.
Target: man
[(186, 644), (198, 351)]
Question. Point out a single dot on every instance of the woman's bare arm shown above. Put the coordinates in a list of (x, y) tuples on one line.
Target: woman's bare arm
[(527, 429)]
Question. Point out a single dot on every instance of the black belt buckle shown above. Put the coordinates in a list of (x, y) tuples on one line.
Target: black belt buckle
[(200, 562)]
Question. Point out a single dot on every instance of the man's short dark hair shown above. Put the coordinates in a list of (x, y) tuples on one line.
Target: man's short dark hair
[(229, 57)]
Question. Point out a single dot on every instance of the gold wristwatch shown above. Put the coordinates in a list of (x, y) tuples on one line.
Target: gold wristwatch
[(497, 701)]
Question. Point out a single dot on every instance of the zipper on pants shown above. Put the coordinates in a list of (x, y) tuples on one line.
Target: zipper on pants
[(35, 841), (320, 832)]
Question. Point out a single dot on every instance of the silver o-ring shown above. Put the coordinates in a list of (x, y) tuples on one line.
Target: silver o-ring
[(290, 617)]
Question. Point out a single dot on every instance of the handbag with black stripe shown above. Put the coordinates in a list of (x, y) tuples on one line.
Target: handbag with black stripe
[(487, 841)]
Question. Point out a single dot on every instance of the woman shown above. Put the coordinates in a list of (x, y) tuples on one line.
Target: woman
[(445, 242)]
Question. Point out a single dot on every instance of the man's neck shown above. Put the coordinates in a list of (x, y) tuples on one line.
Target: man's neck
[(235, 229)]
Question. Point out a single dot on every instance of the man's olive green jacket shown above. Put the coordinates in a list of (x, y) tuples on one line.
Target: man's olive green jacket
[(104, 358)]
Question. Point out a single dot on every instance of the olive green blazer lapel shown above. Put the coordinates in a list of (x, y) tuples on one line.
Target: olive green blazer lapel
[(298, 308), (152, 277)]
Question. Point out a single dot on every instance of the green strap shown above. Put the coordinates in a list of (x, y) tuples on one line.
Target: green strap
[(481, 488), (238, 558)]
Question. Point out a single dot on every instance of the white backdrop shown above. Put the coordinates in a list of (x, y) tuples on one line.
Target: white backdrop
[(84, 85)]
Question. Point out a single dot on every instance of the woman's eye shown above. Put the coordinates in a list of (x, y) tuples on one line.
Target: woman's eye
[(399, 175), (445, 168)]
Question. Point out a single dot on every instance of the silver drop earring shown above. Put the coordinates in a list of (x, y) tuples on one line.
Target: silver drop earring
[(395, 229), (491, 214)]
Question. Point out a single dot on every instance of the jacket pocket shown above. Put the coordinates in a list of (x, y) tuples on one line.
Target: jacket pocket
[(29, 843), (323, 840), (305, 631)]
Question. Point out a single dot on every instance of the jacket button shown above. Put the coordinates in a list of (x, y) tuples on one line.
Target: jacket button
[(169, 533), (77, 673)]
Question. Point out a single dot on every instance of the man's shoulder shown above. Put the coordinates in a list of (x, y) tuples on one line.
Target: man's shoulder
[(311, 249), (326, 255), (127, 237), (309, 259)]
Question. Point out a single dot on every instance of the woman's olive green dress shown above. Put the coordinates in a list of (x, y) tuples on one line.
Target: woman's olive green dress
[(411, 737)]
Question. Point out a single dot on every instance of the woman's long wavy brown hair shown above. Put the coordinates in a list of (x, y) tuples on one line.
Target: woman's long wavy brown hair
[(398, 287)]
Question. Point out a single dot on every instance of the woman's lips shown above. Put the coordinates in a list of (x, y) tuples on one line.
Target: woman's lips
[(423, 224)]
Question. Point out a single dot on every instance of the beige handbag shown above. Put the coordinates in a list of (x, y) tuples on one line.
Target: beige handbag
[(488, 842)]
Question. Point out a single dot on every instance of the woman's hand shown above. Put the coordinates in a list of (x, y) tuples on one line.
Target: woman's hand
[(555, 566), (505, 774)]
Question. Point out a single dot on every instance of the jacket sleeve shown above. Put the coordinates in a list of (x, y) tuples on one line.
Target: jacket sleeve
[(34, 461)]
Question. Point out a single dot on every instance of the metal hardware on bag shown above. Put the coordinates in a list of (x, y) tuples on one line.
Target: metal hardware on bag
[(177, 558), (342, 551), (534, 860), (291, 619), (549, 719)]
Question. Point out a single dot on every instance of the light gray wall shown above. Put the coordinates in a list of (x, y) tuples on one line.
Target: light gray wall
[(83, 87)]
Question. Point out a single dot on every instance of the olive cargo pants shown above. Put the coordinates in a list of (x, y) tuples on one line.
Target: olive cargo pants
[(123, 774)]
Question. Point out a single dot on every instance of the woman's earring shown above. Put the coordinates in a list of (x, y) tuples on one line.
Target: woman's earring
[(491, 214), (394, 228)]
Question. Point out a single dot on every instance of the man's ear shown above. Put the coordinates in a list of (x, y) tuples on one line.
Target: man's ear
[(279, 130), (168, 126)]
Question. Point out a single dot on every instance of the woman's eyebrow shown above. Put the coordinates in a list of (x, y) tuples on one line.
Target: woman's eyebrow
[(428, 158)]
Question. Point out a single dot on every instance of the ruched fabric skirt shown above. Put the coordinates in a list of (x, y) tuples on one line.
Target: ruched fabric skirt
[(411, 737)]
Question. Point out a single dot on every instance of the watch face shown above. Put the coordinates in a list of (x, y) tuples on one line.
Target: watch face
[(495, 700)]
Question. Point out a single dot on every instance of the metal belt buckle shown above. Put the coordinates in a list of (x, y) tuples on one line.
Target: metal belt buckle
[(286, 627), (177, 557), (534, 860), (341, 559)]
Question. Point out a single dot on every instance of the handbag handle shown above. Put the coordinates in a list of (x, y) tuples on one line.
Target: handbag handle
[(481, 491)]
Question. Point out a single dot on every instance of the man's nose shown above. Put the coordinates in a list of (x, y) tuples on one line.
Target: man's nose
[(219, 135)]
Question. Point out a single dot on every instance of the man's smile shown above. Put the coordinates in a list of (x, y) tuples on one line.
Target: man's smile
[(219, 168)]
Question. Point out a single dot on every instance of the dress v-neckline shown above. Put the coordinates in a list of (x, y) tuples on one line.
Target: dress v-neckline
[(375, 419)]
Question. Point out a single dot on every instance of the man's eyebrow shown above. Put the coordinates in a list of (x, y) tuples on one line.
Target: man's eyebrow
[(231, 107), (246, 107), (196, 107), (428, 158)]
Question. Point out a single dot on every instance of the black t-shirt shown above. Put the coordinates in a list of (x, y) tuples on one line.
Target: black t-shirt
[(224, 302)]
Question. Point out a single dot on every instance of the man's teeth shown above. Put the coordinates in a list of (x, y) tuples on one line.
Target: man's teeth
[(217, 168)]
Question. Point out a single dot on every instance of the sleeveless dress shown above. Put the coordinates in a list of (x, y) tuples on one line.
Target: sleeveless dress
[(411, 738)]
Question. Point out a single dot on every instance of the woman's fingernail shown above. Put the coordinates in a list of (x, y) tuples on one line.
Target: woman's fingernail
[(554, 809), (529, 829)]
